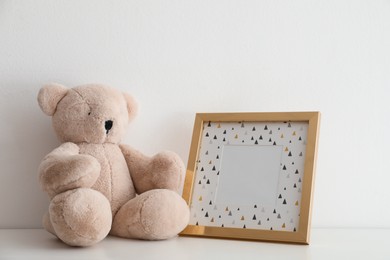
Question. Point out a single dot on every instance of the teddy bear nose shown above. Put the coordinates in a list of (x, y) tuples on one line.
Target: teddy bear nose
[(108, 125)]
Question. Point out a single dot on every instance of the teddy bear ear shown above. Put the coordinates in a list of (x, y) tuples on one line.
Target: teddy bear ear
[(132, 106), (49, 96)]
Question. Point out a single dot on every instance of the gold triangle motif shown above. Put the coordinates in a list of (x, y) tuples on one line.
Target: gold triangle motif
[(284, 225), (294, 133), (296, 203), (219, 126), (282, 136), (227, 209), (286, 150), (212, 220), (200, 198), (236, 136), (242, 218)]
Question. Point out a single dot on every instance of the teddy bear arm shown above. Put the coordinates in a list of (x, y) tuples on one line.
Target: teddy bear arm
[(165, 170), (64, 169)]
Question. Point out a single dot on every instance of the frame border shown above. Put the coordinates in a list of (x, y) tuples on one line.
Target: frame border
[(302, 235)]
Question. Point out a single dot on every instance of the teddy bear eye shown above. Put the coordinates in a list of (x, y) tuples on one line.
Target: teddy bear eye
[(89, 113)]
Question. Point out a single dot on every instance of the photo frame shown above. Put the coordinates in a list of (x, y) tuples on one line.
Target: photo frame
[(250, 176)]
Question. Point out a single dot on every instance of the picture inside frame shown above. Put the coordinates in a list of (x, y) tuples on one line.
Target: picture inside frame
[(249, 175)]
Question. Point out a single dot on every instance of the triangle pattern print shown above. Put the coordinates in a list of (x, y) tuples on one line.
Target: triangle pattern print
[(284, 214)]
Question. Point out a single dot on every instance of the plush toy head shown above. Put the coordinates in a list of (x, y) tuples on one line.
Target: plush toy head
[(90, 113)]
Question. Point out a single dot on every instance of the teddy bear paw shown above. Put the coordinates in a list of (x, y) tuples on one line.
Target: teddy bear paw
[(80, 217), (153, 215)]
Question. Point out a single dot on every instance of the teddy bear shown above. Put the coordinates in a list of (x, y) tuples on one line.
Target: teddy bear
[(98, 186)]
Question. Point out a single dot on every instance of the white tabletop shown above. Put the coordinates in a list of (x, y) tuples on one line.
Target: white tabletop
[(325, 244)]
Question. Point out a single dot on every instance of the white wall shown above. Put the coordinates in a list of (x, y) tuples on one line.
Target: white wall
[(182, 57)]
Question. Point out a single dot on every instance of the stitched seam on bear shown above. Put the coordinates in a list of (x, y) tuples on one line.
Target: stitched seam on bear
[(78, 93), (143, 224), (55, 110), (110, 173), (70, 227)]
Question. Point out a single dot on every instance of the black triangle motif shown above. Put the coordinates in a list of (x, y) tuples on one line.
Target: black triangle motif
[(208, 181), (254, 217), (207, 134), (209, 124), (284, 201), (256, 142), (265, 128), (224, 132), (207, 215), (215, 137), (254, 129)]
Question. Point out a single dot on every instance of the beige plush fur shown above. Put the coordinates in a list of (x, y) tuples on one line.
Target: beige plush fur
[(98, 186)]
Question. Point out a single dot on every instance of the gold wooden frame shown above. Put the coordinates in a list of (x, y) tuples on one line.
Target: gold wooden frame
[(302, 235)]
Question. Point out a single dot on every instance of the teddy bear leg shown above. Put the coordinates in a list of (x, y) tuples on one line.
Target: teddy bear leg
[(80, 217), (153, 215)]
